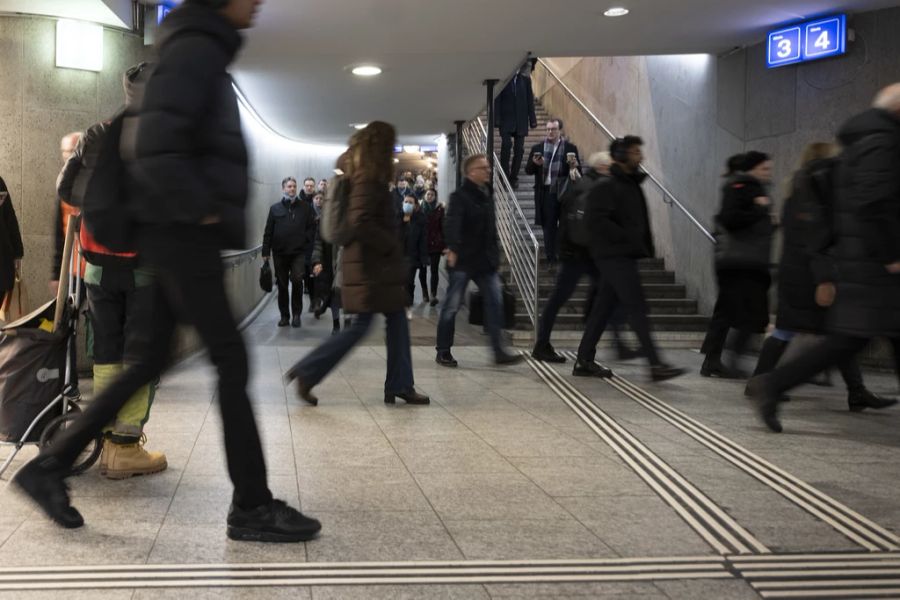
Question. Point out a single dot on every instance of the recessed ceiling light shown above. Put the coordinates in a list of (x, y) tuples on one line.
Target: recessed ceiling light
[(616, 11), (366, 70), (359, 125)]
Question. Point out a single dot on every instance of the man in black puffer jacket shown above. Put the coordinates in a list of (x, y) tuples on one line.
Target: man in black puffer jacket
[(867, 230), (190, 163)]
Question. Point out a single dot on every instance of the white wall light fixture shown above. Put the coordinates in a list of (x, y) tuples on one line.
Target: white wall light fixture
[(79, 45)]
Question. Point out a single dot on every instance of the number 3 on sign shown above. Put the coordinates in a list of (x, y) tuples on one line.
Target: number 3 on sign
[(784, 48)]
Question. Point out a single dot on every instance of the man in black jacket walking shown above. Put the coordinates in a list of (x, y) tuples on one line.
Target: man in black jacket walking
[(289, 237), (473, 255), (189, 165), (618, 214), (514, 110), (866, 302)]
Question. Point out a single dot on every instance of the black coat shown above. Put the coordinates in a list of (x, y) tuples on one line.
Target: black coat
[(806, 261), (514, 107), (190, 161), (415, 239), (538, 172), (470, 230), (568, 250), (617, 211), (11, 246), (290, 229), (867, 227), (744, 228)]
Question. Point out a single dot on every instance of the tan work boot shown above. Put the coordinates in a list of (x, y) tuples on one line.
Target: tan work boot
[(121, 461)]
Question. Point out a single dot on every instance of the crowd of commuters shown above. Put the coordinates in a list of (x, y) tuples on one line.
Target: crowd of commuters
[(184, 158)]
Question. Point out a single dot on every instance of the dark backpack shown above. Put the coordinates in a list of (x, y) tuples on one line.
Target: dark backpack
[(101, 190), (575, 207)]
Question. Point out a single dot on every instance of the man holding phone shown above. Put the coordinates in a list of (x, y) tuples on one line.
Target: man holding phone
[(554, 163)]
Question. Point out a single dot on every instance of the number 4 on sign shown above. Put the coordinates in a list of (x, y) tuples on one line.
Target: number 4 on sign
[(823, 42)]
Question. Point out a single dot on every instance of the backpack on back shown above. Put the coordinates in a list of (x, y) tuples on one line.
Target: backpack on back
[(575, 212), (333, 225)]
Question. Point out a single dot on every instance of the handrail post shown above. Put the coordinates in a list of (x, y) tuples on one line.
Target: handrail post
[(489, 84), (459, 150)]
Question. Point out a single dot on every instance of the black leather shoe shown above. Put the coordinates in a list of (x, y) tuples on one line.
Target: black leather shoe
[(445, 359), (546, 353), (284, 322), (713, 367), (664, 372), (273, 522), (590, 369), (505, 358), (766, 403), (48, 489), (862, 399), (303, 390), (434, 302), (410, 397), (295, 322)]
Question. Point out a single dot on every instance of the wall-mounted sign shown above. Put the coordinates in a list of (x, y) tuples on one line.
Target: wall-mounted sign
[(161, 12), (806, 41)]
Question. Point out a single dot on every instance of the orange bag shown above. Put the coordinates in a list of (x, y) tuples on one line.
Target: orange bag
[(15, 304)]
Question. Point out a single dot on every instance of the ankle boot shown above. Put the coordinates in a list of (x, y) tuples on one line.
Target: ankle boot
[(335, 326), (129, 460), (713, 367)]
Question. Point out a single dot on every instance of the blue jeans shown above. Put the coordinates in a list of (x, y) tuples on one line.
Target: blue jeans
[(318, 364), (489, 285)]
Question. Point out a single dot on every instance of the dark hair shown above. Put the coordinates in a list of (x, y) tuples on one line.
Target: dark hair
[(619, 147), (372, 151), (286, 179), (734, 164), (467, 164), (753, 159), (308, 179), (558, 121)]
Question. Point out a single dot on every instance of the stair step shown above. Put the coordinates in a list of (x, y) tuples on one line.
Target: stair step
[(657, 306), (570, 321), (661, 291)]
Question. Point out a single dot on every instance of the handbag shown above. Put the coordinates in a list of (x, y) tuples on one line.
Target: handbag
[(265, 277), (476, 308), (15, 304)]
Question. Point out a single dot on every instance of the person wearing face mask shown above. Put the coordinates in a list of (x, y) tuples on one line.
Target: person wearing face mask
[(415, 244), (434, 216), (744, 227), (419, 188), (289, 235), (401, 190)]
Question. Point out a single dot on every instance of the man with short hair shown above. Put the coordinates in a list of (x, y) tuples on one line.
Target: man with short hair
[(473, 255), (514, 110), (309, 190), (188, 161), (865, 302), (618, 215), (554, 163), (289, 236)]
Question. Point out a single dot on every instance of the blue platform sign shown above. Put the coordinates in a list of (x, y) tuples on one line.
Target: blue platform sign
[(807, 41)]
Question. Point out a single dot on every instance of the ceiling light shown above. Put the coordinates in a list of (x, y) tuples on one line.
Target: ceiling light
[(616, 11), (359, 125), (366, 70), (411, 149), (396, 160)]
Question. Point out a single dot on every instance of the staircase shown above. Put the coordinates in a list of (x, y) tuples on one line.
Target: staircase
[(674, 316)]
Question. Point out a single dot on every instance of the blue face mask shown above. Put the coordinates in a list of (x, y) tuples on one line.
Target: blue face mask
[(407, 209)]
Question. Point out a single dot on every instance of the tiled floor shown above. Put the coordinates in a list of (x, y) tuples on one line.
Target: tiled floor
[(498, 467)]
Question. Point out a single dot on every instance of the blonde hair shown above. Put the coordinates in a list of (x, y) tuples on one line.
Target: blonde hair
[(371, 152), (812, 152)]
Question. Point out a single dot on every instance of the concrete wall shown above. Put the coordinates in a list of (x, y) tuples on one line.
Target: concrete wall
[(695, 111)]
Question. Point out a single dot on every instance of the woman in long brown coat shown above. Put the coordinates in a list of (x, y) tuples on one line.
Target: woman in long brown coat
[(374, 271)]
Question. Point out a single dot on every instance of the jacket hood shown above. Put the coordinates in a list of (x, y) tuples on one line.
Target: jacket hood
[(872, 121), (196, 18)]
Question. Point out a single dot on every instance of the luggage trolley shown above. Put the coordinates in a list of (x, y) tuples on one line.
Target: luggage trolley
[(36, 356)]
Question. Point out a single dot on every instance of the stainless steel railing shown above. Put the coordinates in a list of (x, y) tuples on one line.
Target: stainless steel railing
[(668, 197), (516, 236)]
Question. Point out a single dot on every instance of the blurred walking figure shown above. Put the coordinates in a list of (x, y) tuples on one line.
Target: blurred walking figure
[(514, 110), (11, 248), (189, 170), (415, 246), (807, 271), (374, 271), (745, 225), (434, 215), (866, 299)]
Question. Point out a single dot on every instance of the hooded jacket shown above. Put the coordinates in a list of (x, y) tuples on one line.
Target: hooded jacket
[(189, 158), (618, 213)]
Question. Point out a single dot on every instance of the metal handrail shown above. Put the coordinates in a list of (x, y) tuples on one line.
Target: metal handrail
[(516, 236), (668, 197)]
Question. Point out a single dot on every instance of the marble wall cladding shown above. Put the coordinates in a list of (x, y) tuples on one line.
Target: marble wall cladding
[(695, 111)]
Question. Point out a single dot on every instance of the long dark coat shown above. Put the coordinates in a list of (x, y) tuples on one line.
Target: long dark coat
[(867, 226), (11, 246), (373, 264), (514, 107)]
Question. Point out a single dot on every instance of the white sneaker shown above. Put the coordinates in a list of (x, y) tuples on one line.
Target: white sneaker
[(408, 314)]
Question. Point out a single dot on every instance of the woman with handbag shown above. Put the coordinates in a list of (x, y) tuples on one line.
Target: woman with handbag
[(11, 251), (373, 271), (744, 226)]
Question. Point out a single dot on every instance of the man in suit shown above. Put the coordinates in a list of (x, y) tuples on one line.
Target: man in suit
[(554, 163), (514, 111)]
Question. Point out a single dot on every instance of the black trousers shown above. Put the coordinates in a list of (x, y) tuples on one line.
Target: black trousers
[(567, 278), (190, 289), (621, 284), (550, 216), (120, 312), (515, 143), (411, 282), (834, 350), (435, 260), (742, 304), (290, 270)]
